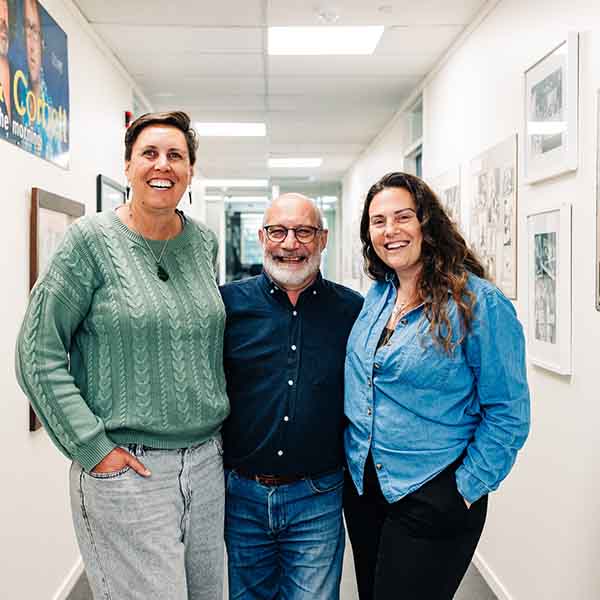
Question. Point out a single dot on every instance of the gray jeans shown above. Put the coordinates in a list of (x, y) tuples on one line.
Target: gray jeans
[(155, 538)]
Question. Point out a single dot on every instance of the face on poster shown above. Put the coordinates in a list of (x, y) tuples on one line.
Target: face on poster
[(34, 81)]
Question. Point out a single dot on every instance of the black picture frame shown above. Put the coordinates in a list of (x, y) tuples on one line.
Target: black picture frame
[(109, 193)]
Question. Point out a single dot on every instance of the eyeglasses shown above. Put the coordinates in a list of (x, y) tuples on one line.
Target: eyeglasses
[(305, 234)]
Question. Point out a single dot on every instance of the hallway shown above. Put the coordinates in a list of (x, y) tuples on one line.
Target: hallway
[(473, 586)]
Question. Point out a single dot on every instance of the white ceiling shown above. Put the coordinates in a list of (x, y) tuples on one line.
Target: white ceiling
[(210, 59)]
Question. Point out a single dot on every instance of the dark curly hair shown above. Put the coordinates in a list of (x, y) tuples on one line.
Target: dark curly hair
[(176, 118), (446, 258)]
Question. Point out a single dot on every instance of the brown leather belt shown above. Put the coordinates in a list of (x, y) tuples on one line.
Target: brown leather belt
[(271, 480)]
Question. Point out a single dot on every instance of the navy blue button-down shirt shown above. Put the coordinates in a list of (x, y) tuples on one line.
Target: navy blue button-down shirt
[(284, 367)]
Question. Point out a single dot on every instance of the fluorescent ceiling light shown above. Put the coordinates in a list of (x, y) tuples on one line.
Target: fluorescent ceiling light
[(231, 129), (248, 199), (323, 40), (546, 127), (294, 163), (233, 183)]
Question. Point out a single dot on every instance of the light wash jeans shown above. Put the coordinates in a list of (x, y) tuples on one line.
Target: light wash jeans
[(284, 542), (155, 538)]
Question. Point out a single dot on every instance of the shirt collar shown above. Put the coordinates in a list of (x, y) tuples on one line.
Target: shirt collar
[(268, 284)]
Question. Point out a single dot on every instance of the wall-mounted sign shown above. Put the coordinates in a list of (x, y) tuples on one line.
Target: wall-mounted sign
[(34, 81)]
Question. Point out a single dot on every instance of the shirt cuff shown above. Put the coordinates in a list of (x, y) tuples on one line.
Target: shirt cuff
[(94, 451), (469, 487)]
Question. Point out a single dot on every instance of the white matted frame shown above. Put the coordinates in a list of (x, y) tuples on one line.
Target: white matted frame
[(551, 112), (493, 213), (549, 335)]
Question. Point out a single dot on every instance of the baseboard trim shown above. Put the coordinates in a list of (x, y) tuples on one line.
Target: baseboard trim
[(490, 577), (69, 583)]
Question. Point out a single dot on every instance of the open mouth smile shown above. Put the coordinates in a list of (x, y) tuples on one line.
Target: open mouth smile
[(290, 260), (160, 184), (396, 245)]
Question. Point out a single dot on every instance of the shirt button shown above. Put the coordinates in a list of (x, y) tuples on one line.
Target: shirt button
[(369, 382), (290, 382), (293, 347), (286, 418), (272, 291), (295, 312), (280, 453), (314, 292), (404, 321), (376, 366), (369, 411), (378, 465)]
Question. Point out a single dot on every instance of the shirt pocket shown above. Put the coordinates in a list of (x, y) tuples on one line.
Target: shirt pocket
[(422, 364)]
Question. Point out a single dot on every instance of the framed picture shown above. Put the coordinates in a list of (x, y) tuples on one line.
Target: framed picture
[(109, 194), (447, 187), (551, 112), (549, 336), (493, 213), (51, 215)]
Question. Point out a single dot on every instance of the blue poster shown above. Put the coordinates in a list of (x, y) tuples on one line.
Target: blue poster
[(34, 81)]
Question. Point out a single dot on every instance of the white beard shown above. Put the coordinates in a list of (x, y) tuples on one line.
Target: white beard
[(293, 278)]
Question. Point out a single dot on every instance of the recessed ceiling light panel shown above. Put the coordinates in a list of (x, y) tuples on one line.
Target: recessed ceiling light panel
[(294, 163), (235, 183), (231, 129), (305, 41)]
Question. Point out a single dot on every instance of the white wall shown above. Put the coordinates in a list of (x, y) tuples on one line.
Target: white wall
[(37, 549), (542, 536)]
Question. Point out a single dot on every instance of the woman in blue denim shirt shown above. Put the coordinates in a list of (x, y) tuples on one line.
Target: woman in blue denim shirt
[(436, 398)]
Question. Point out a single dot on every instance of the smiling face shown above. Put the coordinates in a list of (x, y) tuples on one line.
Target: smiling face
[(395, 231), (159, 170), (33, 40), (289, 263)]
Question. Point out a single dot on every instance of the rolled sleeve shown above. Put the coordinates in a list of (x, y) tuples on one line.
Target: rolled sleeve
[(495, 351)]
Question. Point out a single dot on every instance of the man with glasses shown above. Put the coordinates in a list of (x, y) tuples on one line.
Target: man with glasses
[(285, 344)]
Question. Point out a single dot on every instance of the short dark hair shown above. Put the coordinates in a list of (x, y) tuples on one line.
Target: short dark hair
[(176, 118)]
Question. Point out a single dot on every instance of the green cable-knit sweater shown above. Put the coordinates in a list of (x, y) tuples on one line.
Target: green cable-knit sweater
[(109, 354)]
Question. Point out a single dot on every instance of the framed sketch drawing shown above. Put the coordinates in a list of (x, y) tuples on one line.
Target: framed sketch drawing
[(50, 216), (447, 187), (109, 194), (549, 336), (493, 213), (551, 112)]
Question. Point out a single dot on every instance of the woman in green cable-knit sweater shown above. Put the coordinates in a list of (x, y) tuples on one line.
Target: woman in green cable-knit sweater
[(120, 353)]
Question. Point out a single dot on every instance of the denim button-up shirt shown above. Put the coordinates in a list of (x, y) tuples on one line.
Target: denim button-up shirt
[(418, 409)]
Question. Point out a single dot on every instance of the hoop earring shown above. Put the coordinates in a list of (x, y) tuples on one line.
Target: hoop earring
[(190, 194), (127, 190)]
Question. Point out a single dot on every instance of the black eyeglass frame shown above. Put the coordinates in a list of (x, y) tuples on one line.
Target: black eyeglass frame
[(314, 230)]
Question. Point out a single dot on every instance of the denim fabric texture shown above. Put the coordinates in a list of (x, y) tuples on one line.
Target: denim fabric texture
[(284, 541), (417, 409), (155, 537)]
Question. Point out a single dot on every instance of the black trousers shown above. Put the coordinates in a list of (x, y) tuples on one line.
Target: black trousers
[(417, 548)]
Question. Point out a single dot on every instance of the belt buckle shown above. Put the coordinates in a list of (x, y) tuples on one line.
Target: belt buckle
[(268, 480)]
